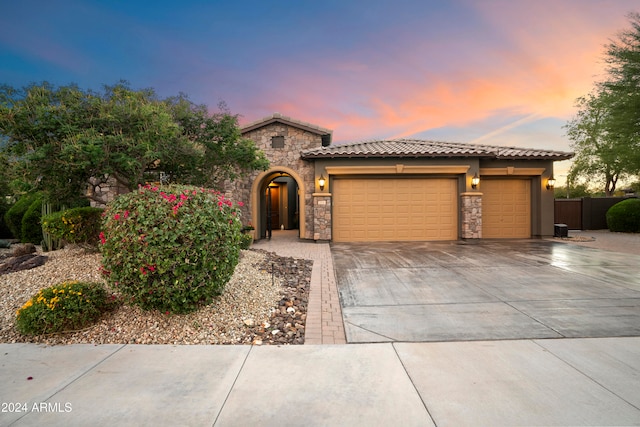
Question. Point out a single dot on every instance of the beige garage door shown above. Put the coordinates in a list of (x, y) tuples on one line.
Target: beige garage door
[(394, 209), (506, 208)]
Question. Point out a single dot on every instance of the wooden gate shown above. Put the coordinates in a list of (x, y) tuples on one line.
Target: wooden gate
[(569, 211)]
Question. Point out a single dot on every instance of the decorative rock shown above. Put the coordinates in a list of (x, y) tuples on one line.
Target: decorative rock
[(250, 295), (22, 262), (22, 249), (249, 322)]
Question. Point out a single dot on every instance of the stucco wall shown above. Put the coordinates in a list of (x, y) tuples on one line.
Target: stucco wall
[(470, 219)]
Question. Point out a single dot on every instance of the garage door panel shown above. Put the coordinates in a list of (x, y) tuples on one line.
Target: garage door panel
[(395, 209), (506, 208)]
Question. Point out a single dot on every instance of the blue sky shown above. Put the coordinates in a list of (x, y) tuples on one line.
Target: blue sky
[(497, 71)]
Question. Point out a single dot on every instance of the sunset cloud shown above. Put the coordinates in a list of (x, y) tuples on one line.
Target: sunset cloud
[(496, 71)]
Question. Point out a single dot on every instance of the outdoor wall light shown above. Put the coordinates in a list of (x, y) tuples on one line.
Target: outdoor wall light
[(551, 182), (322, 182), (475, 181)]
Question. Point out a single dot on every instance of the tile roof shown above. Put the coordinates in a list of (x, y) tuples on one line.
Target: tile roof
[(422, 148)]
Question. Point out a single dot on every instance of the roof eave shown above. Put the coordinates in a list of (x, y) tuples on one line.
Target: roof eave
[(387, 156), (277, 118)]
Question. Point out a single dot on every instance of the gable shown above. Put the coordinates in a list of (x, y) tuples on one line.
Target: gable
[(277, 118)]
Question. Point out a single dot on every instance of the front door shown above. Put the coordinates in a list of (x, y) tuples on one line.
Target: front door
[(273, 207)]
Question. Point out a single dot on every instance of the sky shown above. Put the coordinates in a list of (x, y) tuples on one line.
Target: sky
[(497, 72)]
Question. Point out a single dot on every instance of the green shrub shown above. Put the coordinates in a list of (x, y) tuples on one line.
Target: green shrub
[(78, 225), (245, 241), (171, 248), (4, 229), (13, 217), (624, 216), (31, 228), (64, 307)]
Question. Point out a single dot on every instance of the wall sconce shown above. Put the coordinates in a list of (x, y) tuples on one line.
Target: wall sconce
[(475, 181), (551, 182), (322, 182)]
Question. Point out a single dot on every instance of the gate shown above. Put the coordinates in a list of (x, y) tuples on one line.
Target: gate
[(568, 211), (584, 214)]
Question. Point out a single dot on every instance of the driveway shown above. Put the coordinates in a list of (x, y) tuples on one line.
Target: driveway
[(493, 290)]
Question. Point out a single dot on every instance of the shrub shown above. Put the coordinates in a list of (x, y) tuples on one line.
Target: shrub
[(171, 248), (78, 225), (245, 241), (31, 231), (64, 307), (13, 217), (624, 216), (4, 229)]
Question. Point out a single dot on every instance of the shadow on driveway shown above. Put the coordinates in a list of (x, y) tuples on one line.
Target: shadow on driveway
[(496, 290)]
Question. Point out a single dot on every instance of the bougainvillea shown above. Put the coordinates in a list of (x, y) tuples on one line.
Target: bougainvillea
[(170, 248)]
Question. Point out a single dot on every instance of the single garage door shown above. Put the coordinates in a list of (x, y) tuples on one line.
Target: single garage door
[(395, 209), (506, 208)]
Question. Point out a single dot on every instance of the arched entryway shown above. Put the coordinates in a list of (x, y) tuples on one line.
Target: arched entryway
[(277, 202)]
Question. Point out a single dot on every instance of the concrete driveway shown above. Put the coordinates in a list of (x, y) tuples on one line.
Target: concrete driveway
[(493, 290)]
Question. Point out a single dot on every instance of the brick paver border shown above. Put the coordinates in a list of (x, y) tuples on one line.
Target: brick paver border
[(324, 323)]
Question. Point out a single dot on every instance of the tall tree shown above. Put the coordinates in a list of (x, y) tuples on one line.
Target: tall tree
[(605, 133), (599, 153), (68, 141), (623, 83)]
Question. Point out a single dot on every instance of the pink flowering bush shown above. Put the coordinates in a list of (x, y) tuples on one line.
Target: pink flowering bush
[(170, 248)]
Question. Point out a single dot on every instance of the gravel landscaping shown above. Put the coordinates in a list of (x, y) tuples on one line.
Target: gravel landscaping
[(265, 302)]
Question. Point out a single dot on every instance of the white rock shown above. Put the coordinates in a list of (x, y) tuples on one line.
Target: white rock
[(275, 331)]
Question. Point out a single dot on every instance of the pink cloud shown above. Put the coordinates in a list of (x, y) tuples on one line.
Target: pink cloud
[(545, 55)]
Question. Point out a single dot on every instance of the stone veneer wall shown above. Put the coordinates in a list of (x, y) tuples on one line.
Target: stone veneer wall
[(107, 191), (471, 215), (322, 216), (295, 141)]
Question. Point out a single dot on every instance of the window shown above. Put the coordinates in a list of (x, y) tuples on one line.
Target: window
[(277, 142)]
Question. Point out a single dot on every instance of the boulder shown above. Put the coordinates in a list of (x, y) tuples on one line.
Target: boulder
[(22, 262)]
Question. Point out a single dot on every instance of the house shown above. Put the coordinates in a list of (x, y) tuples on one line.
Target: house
[(394, 190)]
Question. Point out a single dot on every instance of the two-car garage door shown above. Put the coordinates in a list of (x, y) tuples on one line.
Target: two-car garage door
[(395, 209), (405, 209)]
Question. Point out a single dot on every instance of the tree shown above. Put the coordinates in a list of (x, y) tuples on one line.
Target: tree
[(599, 152), (225, 154), (572, 192), (623, 59), (66, 141), (605, 133)]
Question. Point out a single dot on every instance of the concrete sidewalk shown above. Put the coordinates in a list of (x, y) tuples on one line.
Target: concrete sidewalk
[(492, 383)]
